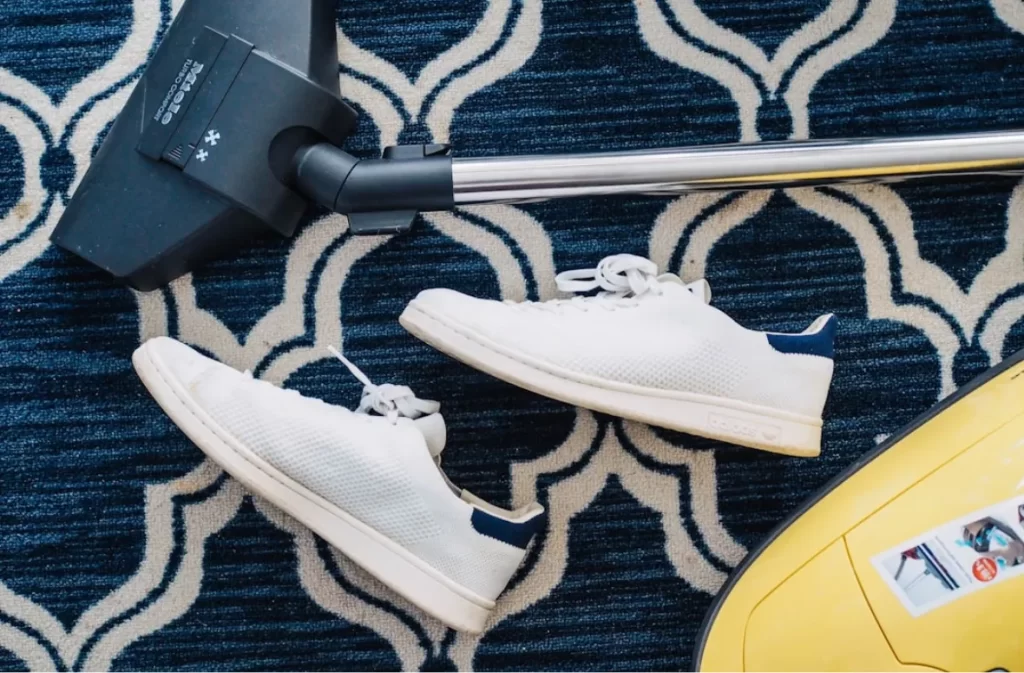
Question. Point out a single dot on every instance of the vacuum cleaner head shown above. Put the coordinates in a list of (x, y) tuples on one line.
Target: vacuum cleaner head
[(911, 560), (204, 151)]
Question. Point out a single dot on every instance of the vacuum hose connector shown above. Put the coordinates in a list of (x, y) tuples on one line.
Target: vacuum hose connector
[(378, 195)]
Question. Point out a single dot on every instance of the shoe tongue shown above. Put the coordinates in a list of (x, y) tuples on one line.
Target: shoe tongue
[(698, 288), (434, 432), (670, 278), (701, 290)]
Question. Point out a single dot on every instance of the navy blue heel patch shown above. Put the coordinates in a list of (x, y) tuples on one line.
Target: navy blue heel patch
[(821, 342), (509, 532)]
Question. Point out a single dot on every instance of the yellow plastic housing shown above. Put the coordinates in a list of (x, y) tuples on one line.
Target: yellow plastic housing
[(811, 599)]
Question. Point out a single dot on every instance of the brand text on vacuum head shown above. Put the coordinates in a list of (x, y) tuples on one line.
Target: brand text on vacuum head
[(183, 83)]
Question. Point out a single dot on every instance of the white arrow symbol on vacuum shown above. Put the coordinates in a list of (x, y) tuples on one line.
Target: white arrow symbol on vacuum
[(201, 155), (212, 137)]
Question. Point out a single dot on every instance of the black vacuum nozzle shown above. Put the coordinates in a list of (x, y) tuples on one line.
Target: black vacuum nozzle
[(234, 127)]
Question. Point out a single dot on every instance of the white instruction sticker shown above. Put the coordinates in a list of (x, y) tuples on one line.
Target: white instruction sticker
[(963, 556)]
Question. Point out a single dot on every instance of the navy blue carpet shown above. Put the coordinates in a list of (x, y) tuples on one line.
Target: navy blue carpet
[(120, 548)]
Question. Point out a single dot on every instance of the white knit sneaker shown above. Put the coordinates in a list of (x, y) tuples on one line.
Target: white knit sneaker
[(648, 348), (368, 484)]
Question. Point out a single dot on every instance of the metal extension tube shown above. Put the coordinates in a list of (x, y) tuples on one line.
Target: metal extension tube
[(737, 166)]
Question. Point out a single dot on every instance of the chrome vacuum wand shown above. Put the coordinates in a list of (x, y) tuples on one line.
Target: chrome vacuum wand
[(384, 195), (737, 166)]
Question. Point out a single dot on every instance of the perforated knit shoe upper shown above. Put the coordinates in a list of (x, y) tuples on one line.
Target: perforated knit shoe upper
[(377, 469), (651, 331)]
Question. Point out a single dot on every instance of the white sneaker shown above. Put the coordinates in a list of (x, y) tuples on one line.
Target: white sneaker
[(370, 485), (648, 348)]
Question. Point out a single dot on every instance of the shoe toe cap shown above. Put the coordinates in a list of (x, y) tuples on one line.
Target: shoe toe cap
[(497, 320), (445, 301), (456, 307), (175, 359)]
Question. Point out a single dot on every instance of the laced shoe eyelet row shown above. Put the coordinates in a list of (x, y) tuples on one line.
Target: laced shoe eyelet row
[(390, 401), (624, 281)]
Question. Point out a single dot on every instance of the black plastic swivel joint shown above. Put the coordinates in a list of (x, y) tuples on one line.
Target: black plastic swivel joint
[(379, 195)]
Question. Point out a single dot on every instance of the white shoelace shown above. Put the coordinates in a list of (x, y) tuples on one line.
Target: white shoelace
[(622, 279), (616, 275), (388, 400)]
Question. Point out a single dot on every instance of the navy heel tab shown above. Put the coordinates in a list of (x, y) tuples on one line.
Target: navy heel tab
[(517, 533), (818, 339)]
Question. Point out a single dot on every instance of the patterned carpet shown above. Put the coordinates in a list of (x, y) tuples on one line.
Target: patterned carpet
[(120, 548)]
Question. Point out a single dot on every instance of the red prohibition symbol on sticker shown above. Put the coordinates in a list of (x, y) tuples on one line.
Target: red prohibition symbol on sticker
[(985, 569)]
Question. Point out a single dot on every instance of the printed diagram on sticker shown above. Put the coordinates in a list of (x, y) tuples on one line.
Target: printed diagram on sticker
[(958, 558)]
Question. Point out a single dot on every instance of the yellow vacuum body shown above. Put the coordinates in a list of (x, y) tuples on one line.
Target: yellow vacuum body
[(911, 560)]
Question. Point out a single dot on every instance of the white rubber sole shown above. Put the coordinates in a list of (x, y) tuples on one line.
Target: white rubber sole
[(386, 560), (728, 420)]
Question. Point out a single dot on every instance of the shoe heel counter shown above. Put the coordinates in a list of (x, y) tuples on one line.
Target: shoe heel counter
[(503, 543), (807, 361), (818, 339), (516, 533)]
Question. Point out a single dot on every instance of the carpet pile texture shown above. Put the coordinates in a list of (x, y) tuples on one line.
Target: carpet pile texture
[(121, 548)]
